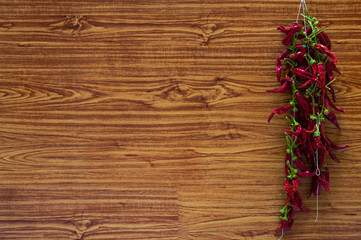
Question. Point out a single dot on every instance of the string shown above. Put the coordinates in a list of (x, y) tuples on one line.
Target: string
[(318, 173), (317, 203), (304, 1), (304, 6), (281, 235), (304, 17), (299, 10)]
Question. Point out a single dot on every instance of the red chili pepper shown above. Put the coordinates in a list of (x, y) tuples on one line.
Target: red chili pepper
[(321, 157), (322, 79), (318, 182), (332, 118), (299, 163), (279, 228), (299, 57), (323, 136), (308, 146), (326, 176), (325, 50), (332, 91), (317, 143), (302, 73), (303, 137), (289, 190), (287, 80), (301, 166), (334, 146), (322, 76), (328, 143), (295, 184), (279, 63), (297, 133), (308, 32), (337, 108), (324, 183), (323, 37), (291, 214), (329, 70), (333, 156), (289, 32), (299, 202), (333, 64), (314, 69), (303, 103), (301, 48), (284, 87), (306, 174), (285, 225), (314, 189), (309, 82), (322, 180), (280, 110), (313, 108)]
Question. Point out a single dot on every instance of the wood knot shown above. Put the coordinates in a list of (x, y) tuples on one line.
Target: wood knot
[(83, 225), (178, 92), (207, 30), (194, 94), (219, 79), (75, 23)]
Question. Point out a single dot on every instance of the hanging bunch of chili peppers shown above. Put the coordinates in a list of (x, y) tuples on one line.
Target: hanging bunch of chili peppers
[(309, 76)]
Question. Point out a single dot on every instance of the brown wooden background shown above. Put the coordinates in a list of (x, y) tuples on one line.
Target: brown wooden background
[(148, 120)]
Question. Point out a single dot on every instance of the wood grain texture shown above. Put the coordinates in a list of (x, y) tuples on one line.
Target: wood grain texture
[(148, 120)]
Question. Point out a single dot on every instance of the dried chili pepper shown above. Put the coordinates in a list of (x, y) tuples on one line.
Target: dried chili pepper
[(325, 50), (332, 118), (303, 103), (302, 73), (284, 87), (295, 28), (280, 110), (323, 38), (279, 63)]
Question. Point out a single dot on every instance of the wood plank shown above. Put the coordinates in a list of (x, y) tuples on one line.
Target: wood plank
[(148, 120)]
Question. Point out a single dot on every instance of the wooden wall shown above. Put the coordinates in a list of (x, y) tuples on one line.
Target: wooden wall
[(148, 120)]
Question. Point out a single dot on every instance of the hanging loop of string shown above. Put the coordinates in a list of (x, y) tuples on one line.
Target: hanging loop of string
[(318, 172), (304, 6)]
